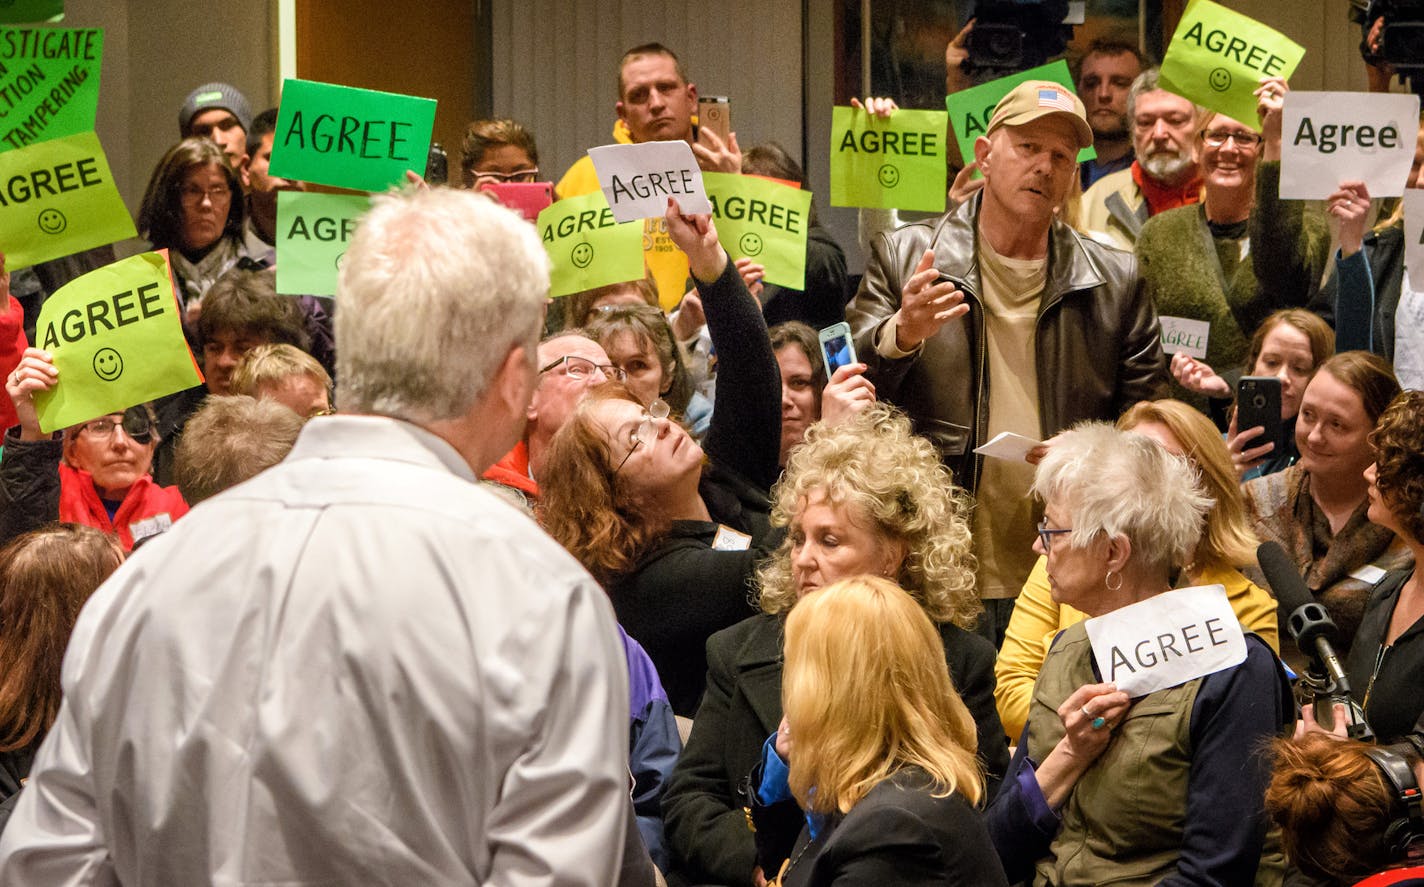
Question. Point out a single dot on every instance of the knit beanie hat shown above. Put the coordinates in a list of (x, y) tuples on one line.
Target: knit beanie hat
[(214, 95)]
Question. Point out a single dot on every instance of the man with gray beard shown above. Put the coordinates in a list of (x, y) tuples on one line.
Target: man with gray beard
[(1162, 177)]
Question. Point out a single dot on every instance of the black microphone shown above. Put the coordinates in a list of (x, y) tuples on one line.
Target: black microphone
[(1312, 629)]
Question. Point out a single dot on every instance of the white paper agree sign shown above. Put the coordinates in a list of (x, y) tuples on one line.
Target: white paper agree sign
[(1331, 137), (1184, 334), (1167, 639), (639, 179)]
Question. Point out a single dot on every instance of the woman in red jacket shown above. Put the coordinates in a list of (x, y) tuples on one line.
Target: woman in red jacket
[(103, 476)]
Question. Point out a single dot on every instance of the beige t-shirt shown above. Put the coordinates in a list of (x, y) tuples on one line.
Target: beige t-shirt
[(1003, 520)]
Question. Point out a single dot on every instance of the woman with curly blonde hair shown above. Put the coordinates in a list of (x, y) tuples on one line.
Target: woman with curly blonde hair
[(863, 497)]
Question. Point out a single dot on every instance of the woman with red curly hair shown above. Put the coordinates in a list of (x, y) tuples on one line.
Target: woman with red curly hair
[(1386, 662)]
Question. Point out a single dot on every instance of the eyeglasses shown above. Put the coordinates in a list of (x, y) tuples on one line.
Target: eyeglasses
[(194, 195), (583, 368), (135, 422), (1045, 535), (656, 412), (519, 175), (1216, 138)]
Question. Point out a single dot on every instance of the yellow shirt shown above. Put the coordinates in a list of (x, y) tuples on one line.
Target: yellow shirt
[(660, 254), (1003, 519), (1037, 621)]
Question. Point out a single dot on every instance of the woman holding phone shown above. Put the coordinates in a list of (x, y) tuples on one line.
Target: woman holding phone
[(1317, 509), (1289, 345)]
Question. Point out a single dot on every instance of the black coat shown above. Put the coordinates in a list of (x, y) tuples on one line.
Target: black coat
[(899, 833), (702, 809), (683, 590)]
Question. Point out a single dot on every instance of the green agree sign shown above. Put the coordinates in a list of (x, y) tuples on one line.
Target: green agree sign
[(49, 83), (970, 109), (22, 11), (762, 221), (348, 137), (587, 247), (890, 163), (313, 231), (1218, 57), (116, 339), (58, 198)]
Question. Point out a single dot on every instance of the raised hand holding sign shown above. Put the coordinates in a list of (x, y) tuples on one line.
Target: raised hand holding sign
[(116, 341)]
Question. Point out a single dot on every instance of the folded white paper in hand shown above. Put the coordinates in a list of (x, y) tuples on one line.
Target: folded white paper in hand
[(1007, 445)]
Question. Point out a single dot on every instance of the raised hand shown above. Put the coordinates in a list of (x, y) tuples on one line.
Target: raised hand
[(1270, 98), (752, 275), (1350, 203), (35, 372), (878, 107), (846, 394), (715, 155), (1243, 459), (696, 235), (926, 305), (1195, 375)]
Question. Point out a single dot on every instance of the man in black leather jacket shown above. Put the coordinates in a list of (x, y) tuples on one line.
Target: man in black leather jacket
[(998, 317)]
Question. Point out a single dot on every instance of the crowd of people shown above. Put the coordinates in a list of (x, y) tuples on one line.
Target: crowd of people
[(441, 581)]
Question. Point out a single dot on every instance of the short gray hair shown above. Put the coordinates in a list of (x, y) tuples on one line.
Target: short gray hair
[(1119, 483), (436, 288), (229, 440), (1149, 80)]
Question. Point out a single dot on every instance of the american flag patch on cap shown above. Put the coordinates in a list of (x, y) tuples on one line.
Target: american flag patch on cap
[(1052, 98)]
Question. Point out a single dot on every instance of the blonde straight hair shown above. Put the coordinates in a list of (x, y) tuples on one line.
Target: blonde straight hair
[(867, 693), (1227, 540)]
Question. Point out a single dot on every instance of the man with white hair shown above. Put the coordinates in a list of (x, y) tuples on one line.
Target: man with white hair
[(361, 666), (1164, 175)]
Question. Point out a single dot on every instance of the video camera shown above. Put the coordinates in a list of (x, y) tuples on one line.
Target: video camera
[(1013, 35), (1402, 39)]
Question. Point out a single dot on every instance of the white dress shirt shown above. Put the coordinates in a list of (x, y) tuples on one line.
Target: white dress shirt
[(357, 668)]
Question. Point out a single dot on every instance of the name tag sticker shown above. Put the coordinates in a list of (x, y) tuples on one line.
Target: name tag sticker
[(1369, 574), (1184, 334), (728, 539), (1167, 640), (637, 180)]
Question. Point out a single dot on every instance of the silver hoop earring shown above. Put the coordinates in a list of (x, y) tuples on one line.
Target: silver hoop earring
[(1107, 580)]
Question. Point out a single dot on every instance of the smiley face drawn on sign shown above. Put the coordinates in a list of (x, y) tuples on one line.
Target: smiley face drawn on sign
[(52, 221), (1219, 79), (108, 365), (582, 256), (888, 175), (751, 244)]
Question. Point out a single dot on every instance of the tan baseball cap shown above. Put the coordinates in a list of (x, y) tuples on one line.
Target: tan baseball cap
[(1038, 98)]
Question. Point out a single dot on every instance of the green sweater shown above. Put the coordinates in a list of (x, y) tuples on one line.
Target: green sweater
[(1283, 268)]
